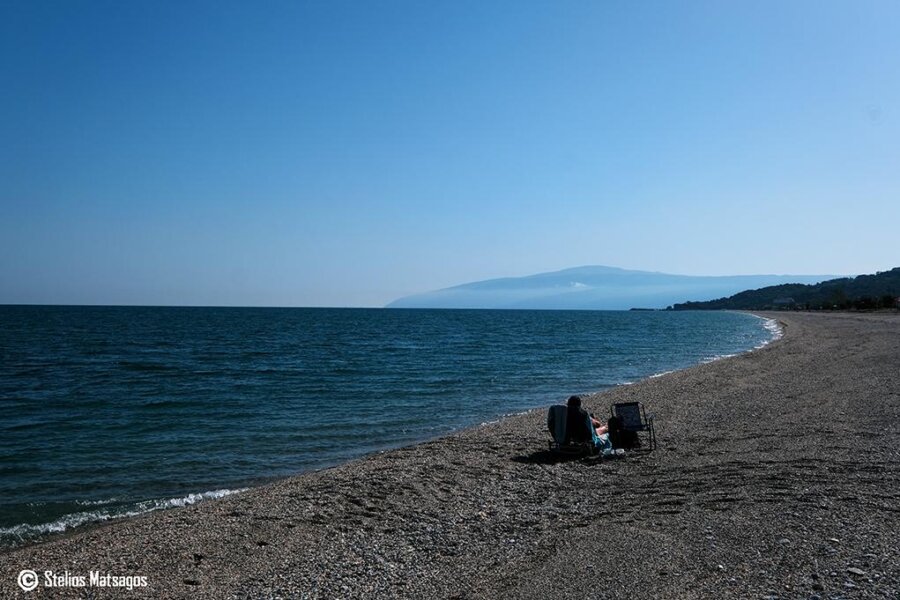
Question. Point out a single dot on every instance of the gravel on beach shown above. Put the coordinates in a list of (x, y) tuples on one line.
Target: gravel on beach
[(777, 476)]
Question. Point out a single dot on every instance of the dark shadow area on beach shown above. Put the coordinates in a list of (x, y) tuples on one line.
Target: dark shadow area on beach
[(546, 457)]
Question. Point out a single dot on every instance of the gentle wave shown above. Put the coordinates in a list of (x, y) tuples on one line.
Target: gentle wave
[(28, 531), (503, 416), (710, 359), (96, 502), (655, 375), (774, 329)]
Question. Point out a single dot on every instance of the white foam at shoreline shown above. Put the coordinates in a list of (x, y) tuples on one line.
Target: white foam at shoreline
[(655, 375), (716, 357), (774, 329), (97, 502), (25, 531)]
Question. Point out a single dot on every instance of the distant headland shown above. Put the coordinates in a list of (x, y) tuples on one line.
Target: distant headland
[(864, 292)]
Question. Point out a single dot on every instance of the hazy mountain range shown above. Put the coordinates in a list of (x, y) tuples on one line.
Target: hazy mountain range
[(594, 287)]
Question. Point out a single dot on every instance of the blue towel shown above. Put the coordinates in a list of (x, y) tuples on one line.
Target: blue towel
[(556, 422)]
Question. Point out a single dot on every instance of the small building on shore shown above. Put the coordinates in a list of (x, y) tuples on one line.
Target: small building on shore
[(783, 302)]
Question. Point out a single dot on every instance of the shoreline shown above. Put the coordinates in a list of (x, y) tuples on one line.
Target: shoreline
[(716, 512), (91, 519), (217, 494)]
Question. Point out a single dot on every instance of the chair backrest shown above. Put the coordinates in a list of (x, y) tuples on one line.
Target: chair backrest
[(630, 415), (556, 422)]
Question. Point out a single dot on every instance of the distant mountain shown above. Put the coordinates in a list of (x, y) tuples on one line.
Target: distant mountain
[(593, 287), (863, 292)]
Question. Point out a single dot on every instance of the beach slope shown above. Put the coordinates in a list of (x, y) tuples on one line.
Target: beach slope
[(777, 476)]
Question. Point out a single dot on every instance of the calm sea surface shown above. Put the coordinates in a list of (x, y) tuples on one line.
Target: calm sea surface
[(112, 411)]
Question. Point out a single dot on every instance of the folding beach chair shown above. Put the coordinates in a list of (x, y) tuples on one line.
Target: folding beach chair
[(634, 420), (557, 418)]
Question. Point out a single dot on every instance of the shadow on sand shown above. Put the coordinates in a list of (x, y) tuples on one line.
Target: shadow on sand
[(545, 457)]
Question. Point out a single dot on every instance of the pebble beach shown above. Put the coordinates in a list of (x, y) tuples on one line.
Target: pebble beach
[(777, 475)]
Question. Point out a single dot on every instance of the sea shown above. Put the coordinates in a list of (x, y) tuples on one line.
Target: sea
[(107, 412)]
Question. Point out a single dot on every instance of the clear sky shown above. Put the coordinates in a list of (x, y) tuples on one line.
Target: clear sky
[(347, 153)]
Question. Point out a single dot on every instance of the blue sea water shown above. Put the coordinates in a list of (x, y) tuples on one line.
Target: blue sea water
[(113, 411)]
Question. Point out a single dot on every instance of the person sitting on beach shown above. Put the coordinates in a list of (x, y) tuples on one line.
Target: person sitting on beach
[(583, 427)]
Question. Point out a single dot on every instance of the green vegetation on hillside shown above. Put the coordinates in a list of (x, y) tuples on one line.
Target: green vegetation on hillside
[(865, 292)]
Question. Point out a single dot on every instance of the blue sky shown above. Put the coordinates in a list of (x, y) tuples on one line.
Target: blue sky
[(345, 154)]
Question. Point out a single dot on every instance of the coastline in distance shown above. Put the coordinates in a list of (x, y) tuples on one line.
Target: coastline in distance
[(594, 288)]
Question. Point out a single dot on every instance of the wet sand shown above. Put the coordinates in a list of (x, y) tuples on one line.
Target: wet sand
[(777, 476)]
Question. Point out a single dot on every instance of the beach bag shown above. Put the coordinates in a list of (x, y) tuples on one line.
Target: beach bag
[(621, 438)]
